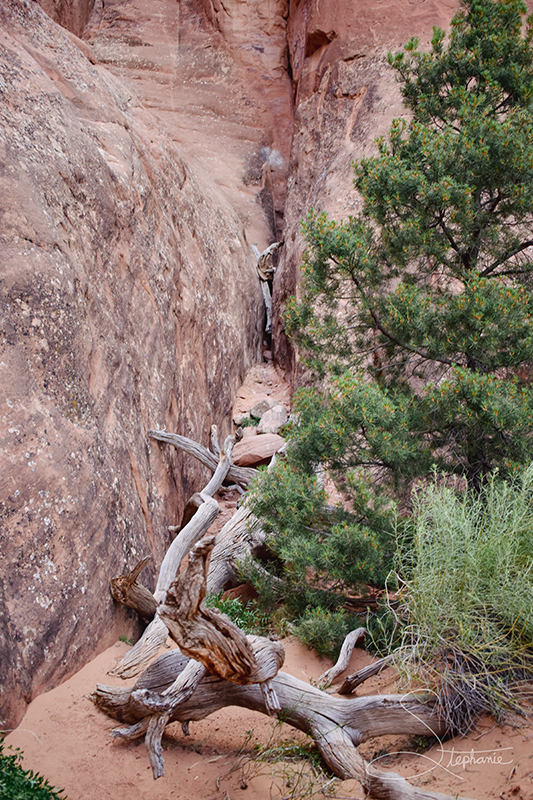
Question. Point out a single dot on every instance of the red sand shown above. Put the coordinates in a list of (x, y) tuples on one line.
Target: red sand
[(67, 739)]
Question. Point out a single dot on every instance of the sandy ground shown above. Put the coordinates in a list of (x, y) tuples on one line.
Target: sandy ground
[(67, 739)]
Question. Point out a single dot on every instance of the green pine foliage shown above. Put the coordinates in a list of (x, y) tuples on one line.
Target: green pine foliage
[(17, 783), (318, 555), (419, 310), (248, 617)]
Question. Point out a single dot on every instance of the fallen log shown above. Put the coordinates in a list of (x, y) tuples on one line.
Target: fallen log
[(337, 725), (239, 475), (156, 633), (175, 688)]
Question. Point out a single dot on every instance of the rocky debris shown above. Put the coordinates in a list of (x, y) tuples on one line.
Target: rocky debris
[(261, 407), (263, 396), (240, 418), (273, 419), (255, 450), (263, 381)]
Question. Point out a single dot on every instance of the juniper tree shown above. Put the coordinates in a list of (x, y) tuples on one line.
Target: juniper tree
[(416, 314)]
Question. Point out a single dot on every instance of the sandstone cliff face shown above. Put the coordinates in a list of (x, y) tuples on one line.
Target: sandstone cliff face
[(137, 168), (129, 300)]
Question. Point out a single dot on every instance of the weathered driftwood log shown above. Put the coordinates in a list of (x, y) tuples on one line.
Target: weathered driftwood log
[(337, 725), (217, 645), (353, 681), (239, 536), (127, 591), (154, 636), (331, 675)]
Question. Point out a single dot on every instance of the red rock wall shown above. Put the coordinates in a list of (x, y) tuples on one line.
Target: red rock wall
[(129, 300), (71, 14), (345, 96)]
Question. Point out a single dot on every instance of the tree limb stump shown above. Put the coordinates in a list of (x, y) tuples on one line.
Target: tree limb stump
[(127, 591), (353, 681)]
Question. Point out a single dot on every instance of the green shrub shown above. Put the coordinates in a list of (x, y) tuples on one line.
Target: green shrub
[(17, 783), (319, 555), (466, 598), (323, 630), (249, 618)]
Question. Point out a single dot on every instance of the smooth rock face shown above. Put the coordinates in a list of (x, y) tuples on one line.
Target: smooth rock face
[(129, 300)]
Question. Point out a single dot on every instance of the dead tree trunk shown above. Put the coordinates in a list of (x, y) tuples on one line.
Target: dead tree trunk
[(228, 668), (338, 725), (235, 540), (266, 272)]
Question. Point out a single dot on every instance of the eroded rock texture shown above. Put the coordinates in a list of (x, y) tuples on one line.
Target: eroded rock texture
[(137, 168), (129, 300)]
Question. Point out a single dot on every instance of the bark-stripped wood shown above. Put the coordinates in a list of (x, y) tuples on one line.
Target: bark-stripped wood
[(265, 272), (353, 681), (240, 536), (210, 637), (127, 591), (154, 636), (240, 475), (331, 675), (337, 725)]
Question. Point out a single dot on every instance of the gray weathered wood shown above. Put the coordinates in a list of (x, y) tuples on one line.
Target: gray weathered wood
[(353, 681), (156, 633), (338, 725), (126, 590), (331, 675), (241, 475)]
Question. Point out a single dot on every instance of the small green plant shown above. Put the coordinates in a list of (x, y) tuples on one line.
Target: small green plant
[(250, 422), (17, 783), (249, 618), (324, 630), (124, 638), (296, 767)]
